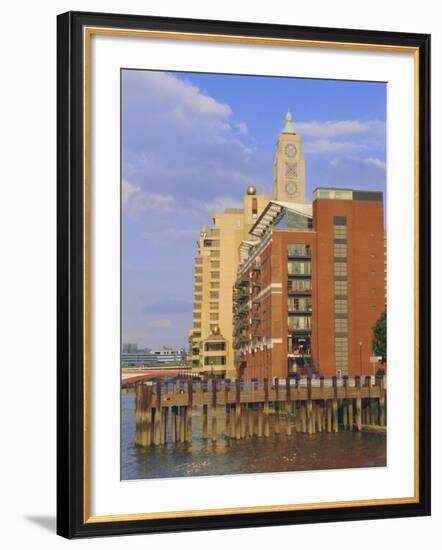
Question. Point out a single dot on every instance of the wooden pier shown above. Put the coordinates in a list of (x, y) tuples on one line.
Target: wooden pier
[(164, 411)]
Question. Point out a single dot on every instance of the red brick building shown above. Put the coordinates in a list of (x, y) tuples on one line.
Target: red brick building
[(310, 290)]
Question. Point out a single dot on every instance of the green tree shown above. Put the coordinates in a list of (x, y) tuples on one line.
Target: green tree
[(379, 341)]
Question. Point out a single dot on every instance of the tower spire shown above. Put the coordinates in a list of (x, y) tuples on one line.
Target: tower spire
[(288, 128)]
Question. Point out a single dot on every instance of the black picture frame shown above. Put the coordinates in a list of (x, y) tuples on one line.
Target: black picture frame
[(71, 518)]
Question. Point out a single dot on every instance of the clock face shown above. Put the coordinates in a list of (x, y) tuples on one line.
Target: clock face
[(290, 150), (291, 188)]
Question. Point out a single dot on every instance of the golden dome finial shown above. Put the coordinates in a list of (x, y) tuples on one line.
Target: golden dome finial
[(251, 190)]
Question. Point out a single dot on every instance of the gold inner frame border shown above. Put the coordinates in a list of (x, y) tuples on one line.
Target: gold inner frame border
[(88, 32)]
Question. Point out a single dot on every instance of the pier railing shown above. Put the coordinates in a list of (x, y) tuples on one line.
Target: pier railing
[(164, 410)]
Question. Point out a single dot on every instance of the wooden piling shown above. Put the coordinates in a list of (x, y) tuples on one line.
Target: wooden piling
[(323, 407), (227, 407), (164, 423), (174, 425), (345, 414), (260, 419), (319, 412), (288, 408), (205, 411), (266, 408), (303, 413), (237, 408), (243, 420), (182, 424), (145, 407), (276, 405), (329, 416), (214, 426), (189, 411), (350, 414), (382, 412), (157, 419)]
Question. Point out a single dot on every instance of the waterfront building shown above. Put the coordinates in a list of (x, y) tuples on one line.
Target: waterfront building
[(310, 290), (215, 269), (164, 356)]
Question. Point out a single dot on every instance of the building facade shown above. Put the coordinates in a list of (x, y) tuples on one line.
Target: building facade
[(312, 287), (215, 268), (285, 286), (133, 356)]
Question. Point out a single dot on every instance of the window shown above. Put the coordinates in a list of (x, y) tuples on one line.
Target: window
[(298, 268), (214, 264), (214, 274), (341, 288), (198, 269), (302, 250), (196, 325), (254, 207), (299, 323), (299, 304), (340, 250), (341, 354), (214, 285), (299, 285), (198, 288), (340, 268), (215, 346), (197, 315), (340, 232), (340, 306), (198, 260), (198, 279), (214, 254), (216, 360), (214, 295), (214, 305), (299, 345), (341, 325), (197, 305), (211, 243), (214, 316)]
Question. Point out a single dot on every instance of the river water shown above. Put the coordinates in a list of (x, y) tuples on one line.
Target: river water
[(277, 453)]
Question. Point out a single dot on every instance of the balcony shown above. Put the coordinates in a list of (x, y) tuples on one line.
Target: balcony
[(299, 251), (299, 292)]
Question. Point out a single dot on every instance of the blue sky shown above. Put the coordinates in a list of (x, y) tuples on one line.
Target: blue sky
[(191, 143)]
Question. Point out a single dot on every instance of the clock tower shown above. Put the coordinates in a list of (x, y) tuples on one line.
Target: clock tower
[(288, 166)]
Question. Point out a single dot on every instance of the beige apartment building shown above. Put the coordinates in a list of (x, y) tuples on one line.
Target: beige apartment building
[(216, 264)]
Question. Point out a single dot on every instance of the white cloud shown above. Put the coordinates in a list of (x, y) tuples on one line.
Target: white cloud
[(137, 200), (160, 324), (376, 162), (128, 189), (369, 162), (328, 146), (186, 104), (331, 129), (242, 127)]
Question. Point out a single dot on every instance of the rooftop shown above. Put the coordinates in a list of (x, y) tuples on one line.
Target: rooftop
[(347, 194), (272, 212)]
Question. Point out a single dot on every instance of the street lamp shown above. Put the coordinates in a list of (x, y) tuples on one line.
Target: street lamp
[(360, 358)]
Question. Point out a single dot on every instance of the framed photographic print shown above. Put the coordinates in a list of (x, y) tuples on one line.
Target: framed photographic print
[(243, 274)]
